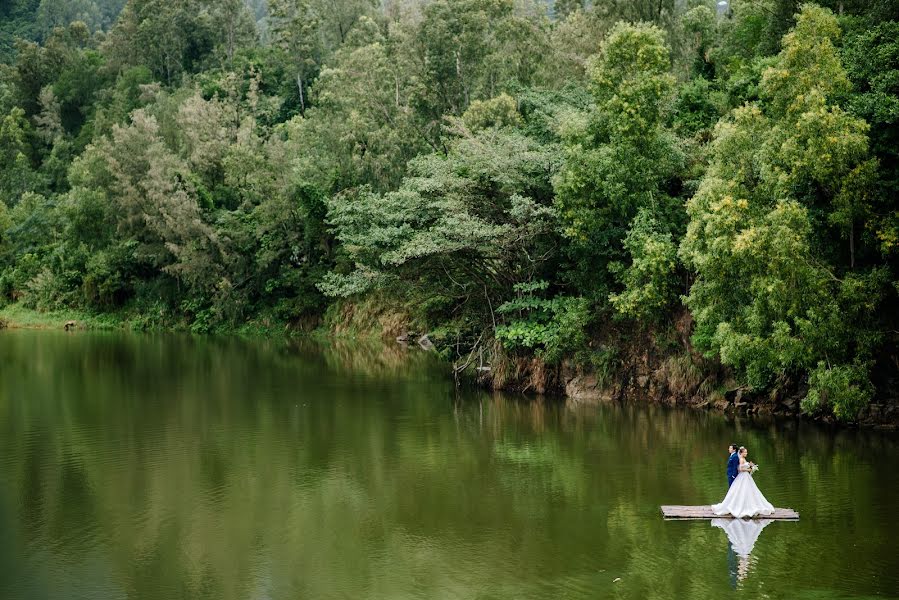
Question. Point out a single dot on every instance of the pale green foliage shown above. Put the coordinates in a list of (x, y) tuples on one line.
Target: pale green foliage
[(573, 41), (649, 284), (845, 389), (822, 144), (501, 111), (208, 128), (552, 327), (808, 62), (463, 229), (564, 8), (631, 79), (49, 120), (146, 183)]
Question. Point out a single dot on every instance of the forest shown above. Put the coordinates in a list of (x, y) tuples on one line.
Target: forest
[(547, 187)]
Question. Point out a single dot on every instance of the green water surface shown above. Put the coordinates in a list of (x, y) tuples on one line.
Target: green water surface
[(164, 467)]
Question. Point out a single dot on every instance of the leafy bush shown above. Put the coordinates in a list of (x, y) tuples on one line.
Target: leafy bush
[(649, 282), (846, 389), (554, 327)]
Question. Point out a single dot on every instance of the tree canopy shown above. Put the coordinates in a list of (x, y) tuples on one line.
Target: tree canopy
[(532, 180)]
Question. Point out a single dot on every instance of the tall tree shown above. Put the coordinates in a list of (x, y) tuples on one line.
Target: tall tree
[(364, 127), (17, 173), (620, 159), (236, 24), (771, 296), (168, 36), (294, 30)]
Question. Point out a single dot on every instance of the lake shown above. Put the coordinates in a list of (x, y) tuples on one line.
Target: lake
[(162, 466)]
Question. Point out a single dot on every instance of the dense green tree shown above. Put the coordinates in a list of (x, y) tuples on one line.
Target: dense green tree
[(459, 234), (339, 18), (364, 127), (573, 41), (475, 49), (17, 21), (513, 172), (563, 8), (295, 30), (153, 201), (17, 173), (770, 297), (236, 24), (170, 37), (871, 57), (620, 159)]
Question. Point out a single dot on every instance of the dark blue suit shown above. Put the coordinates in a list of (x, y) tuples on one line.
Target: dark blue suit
[(733, 467)]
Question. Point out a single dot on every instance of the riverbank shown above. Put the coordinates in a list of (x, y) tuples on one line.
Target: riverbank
[(648, 368), (627, 366), (637, 368)]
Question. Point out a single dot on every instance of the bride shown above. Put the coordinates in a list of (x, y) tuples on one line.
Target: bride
[(743, 499)]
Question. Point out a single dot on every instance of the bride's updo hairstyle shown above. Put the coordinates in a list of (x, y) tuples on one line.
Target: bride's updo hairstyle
[(742, 450)]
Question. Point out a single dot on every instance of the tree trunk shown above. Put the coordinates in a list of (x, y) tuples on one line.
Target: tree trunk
[(231, 37), (300, 88)]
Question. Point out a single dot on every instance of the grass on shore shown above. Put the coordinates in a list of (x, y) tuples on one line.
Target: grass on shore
[(347, 321), (16, 316)]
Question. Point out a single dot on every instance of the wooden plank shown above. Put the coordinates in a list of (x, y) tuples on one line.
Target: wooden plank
[(705, 512)]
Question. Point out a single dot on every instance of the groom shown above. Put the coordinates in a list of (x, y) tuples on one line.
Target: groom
[(733, 464)]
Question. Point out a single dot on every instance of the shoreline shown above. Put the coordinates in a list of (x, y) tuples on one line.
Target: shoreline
[(643, 379)]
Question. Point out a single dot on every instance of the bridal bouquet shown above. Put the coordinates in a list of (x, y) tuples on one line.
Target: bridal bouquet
[(753, 468)]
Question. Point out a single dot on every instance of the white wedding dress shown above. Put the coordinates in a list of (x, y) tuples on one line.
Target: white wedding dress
[(743, 499), (742, 533)]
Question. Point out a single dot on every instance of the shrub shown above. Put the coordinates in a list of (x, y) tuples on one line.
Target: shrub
[(554, 327), (844, 388)]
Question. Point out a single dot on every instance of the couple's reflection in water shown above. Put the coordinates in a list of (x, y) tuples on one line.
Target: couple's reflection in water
[(741, 537)]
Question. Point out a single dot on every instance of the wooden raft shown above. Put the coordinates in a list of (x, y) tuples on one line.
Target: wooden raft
[(705, 512)]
